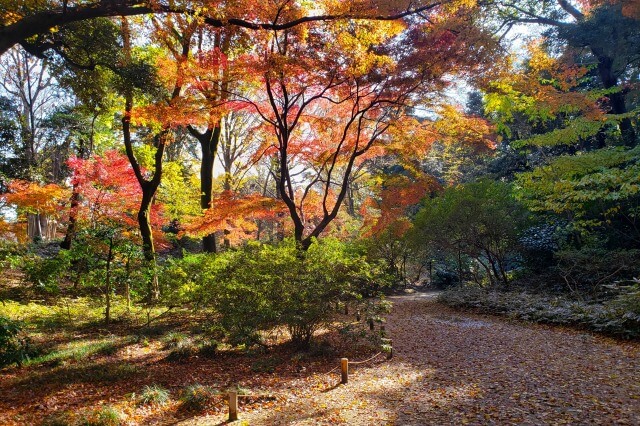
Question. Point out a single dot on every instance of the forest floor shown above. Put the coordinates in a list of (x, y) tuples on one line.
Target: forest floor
[(449, 367)]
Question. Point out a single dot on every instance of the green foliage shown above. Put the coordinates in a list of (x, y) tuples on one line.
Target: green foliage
[(78, 351), (575, 130), (174, 339), (14, 344), (181, 346), (154, 395), (590, 188), (479, 220), (182, 350), (260, 287), (46, 273)]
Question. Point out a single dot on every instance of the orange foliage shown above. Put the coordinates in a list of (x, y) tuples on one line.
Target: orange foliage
[(547, 86), (456, 127), (388, 210), (14, 231), (236, 215), (35, 198)]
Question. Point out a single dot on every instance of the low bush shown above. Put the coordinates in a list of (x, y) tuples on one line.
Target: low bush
[(45, 272), (14, 343), (619, 316), (261, 287), (184, 349)]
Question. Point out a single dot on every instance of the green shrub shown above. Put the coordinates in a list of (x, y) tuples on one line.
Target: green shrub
[(261, 287), (14, 344), (46, 273), (154, 395), (182, 350)]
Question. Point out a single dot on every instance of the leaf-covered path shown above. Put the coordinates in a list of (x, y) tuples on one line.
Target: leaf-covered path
[(458, 368)]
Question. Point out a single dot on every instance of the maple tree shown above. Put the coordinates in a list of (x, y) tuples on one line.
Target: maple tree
[(30, 23), (328, 112), (41, 203), (107, 208), (236, 214)]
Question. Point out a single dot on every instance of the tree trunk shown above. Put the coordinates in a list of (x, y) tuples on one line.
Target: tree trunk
[(127, 283), (71, 226), (208, 146), (617, 99), (148, 247), (107, 311)]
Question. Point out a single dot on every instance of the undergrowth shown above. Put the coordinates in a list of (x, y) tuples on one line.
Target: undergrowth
[(619, 316)]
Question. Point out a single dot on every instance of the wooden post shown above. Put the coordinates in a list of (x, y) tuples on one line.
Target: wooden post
[(357, 315), (346, 308), (390, 354), (233, 405), (371, 324), (344, 366)]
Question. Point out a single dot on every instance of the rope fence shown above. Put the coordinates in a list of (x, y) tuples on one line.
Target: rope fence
[(344, 379)]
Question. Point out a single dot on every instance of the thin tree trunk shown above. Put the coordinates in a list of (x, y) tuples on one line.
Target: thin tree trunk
[(107, 311), (71, 226)]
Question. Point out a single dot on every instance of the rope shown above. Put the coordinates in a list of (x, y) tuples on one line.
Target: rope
[(332, 370), (366, 360), (257, 395)]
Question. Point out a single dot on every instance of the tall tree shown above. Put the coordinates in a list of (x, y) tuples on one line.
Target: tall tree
[(332, 92), (33, 89), (601, 28)]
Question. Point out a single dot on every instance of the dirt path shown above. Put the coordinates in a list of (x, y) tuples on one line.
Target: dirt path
[(456, 368)]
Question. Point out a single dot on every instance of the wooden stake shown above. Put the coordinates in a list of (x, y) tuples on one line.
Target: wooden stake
[(390, 354), (344, 366), (371, 324), (233, 405)]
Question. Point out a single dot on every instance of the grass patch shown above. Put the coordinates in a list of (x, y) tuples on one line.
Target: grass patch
[(80, 350), (174, 339), (104, 416), (197, 397), (154, 395), (71, 313)]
